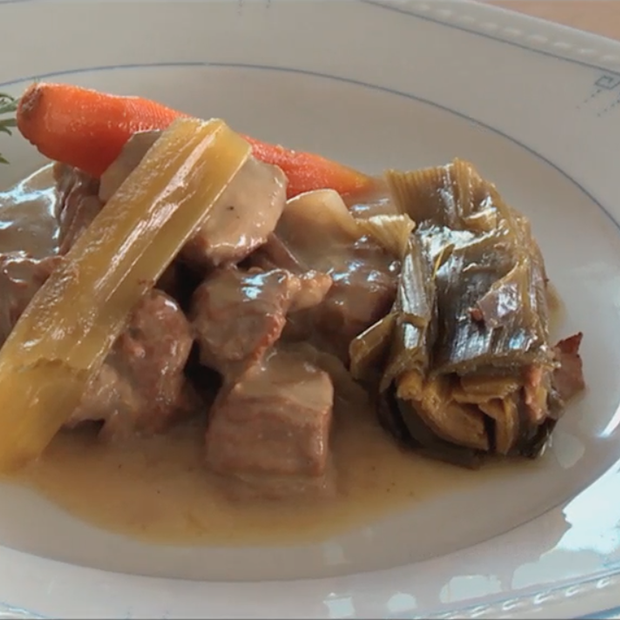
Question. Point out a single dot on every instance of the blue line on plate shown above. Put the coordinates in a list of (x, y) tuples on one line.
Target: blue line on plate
[(411, 13), (168, 65), (607, 614), (484, 35), (354, 82)]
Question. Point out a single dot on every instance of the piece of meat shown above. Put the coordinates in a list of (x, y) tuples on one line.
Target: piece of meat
[(476, 314), (241, 220), (141, 388), (22, 273), (79, 203), (237, 315), (21, 276), (363, 292), (29, 215), (535, 392), (275, 254), (312, 290), (568, 378), (269, 429), (364, 275)]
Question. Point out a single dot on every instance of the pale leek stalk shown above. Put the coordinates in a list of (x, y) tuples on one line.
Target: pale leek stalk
[(64, 335)]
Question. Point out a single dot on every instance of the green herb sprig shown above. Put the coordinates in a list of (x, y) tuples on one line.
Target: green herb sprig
[(8, 105)]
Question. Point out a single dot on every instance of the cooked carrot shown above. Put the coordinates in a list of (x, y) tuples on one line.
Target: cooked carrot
[(307, 171), (82, 127), (87, 129)]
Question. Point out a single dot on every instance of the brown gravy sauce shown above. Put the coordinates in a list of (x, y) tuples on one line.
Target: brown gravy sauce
[(158, 489)]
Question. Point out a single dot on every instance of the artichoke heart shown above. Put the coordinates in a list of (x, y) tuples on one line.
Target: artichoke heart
[(467, 362), (450, 420)]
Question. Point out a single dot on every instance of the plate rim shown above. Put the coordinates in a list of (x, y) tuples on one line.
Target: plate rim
[(612, 579)]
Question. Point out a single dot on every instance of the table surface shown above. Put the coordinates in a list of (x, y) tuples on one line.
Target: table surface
[(598, 16)]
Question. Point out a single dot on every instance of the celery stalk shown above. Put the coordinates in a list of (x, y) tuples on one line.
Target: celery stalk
[(64, 335)]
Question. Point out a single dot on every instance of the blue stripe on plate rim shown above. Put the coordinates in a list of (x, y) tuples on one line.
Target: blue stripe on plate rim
[(436, 20), (484, 35), (8, 611), (608, 614)]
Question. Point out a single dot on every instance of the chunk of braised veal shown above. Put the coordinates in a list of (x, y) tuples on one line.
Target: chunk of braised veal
[(363, 293), (238, 315), (141, 388), (568, 379), (79, 203), (20, 278), (317, 231), (269, 428)]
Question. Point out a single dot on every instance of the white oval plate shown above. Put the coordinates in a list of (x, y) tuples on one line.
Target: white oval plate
[(403, 84)]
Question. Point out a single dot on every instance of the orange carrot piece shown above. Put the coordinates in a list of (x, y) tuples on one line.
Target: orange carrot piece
[(307, 171), (87, 129), (83, 127)]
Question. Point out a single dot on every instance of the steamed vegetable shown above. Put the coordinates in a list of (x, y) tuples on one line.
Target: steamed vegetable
[(321, 214), (391, 231), (307, 171), (369, 351), (410, 315), (470, 368), (82, 127), (65, 333), (8, 105), (414, 327), (87, 129)]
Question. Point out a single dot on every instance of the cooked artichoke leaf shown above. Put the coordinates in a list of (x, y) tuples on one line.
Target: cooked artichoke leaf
[(390, 418), (409, 352), (440, 241), (475, 206), (391, 231), (466, 343), (369, 350), (505, 415), (456, 423), (529, 252), (424, 195), (414, 434), (470, 360), (480, 388), (504, 298), (534, 440), (414, 310), (454, 195), (431, 445), (415, 301), (489, 263)]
